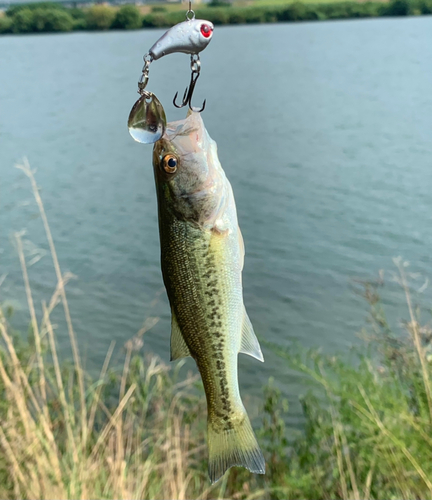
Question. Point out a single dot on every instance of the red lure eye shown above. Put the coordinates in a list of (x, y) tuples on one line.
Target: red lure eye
[(206, 30)]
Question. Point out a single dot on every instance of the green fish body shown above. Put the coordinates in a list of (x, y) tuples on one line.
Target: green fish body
[(202, 257)]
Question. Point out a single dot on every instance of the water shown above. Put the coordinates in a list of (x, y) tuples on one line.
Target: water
[(324, 130)]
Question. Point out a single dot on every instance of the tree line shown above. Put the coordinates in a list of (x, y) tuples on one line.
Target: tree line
[(51, 17)]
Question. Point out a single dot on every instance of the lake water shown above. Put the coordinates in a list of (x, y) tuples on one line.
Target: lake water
[(324, 129)]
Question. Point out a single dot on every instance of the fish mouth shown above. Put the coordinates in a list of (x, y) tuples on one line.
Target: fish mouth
[(183, 138), (188, 135)]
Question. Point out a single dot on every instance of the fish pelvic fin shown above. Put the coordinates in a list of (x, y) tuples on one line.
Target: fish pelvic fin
[(231, 444), (179, 349), (249, 343)]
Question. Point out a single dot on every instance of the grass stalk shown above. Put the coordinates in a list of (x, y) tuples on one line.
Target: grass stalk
[(373, 416), (34, 322), (65, 407), (414, 330), (25, 167)]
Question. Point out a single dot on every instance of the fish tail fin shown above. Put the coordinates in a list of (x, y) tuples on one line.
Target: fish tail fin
[(233, 443)]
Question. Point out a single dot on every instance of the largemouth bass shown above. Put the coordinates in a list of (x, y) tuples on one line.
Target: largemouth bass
[(202, 257)]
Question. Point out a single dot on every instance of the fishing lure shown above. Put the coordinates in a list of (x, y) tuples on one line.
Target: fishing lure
[(147, 120)]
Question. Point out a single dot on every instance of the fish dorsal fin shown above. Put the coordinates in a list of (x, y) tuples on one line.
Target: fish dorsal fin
[(249, 342), (179, 349)]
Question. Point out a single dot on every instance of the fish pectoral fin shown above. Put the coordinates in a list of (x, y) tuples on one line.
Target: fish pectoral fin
[(249, 342), (179, 349)]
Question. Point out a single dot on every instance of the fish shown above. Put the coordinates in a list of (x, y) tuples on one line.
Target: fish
[(202, 256)]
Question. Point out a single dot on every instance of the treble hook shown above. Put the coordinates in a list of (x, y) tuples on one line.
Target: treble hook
[(188, 93), (187, 96)]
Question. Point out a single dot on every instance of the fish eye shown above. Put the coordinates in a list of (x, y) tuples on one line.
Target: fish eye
[(169, 163)]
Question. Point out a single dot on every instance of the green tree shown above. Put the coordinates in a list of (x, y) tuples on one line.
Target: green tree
[(79, 18), (42, 18), (57, 20), (22, 21), (5, 24), (397, 8), (13, 9), (100, 17), (128, 17)]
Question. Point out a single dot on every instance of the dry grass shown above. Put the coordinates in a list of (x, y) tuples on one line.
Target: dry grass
[(58, 437)]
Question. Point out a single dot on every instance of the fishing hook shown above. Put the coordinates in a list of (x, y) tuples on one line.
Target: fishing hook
[(188, 93)]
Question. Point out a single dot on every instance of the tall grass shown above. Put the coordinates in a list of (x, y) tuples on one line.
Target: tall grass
[(65, 436), (139, 432), (368, 430)]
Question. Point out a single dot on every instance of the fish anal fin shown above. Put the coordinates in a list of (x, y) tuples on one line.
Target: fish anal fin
[(179, 349), (249, 343)]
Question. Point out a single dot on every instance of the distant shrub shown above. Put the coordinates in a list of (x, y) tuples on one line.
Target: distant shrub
[(162, 20), (12, 10), (294, 12), (100, 17), (79, 18), (336, 11), (219, 3), (47, 20), (341, 10), (425, 6), (5, 24), (256, 15), (79, 24), (271, 14), (77, 13), (366, 9), (22, 21), (158, 8), (237, 16), (155, 21), (57, 20), (128, 17), (217, 15), (397, 8), (176, 17), (40, 20)]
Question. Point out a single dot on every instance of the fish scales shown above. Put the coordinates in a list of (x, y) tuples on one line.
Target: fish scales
[(202, 311), (202, 259)]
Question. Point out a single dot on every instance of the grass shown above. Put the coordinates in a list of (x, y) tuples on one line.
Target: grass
[(139, 432)]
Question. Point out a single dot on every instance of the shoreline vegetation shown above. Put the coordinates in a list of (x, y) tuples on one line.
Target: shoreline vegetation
[(46, 17), (139, 431)]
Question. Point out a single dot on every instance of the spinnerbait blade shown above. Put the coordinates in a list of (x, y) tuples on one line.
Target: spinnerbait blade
[(147, 119)]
